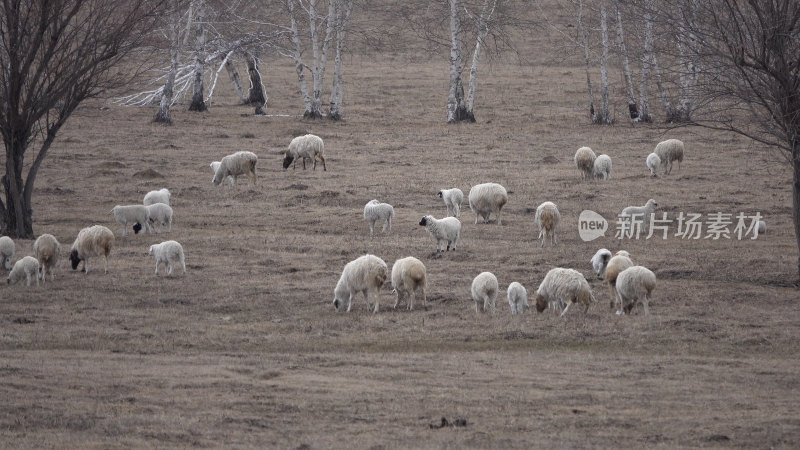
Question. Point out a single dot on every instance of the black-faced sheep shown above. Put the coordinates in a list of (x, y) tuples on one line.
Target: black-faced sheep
[(669, 151), (584, 161), (563, 287), (46, 249), (635, 285), (234, 165), (7, 250), (375, 211), (452, 199), (548, 217), (170, 253), (445, 230), (131, 214), (26, 268), (517, 298), (409, 280), (487, 198), (91, 241), (159, 196), (308, 146), (484, 290), (364, 274), (602, 167)]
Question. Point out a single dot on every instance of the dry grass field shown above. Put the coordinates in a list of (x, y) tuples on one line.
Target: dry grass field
[(245, 350)]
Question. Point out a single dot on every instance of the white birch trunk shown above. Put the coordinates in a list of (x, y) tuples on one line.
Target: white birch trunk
[(298, 59), (647, 57), (198, 103), (455, 99), (343, 10), (163, 114), (605, 114), (585, 36), (236, 80), (483, 31), (662, 93), (626, 68)]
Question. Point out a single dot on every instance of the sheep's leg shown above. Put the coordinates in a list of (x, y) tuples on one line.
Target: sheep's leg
[(476, 308), (397, 300), (304, 163), (86, 266), (645, 303), (27, 279), (168, 268), (424, 297), (371, 227), (613, 291), (350, 301), (457, 210), (157, 263), (377, 299), (554, 238), (36, 277), (499, 218), (565, 310)]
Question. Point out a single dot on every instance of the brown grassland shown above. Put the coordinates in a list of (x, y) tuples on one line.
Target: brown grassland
[(245, 350)]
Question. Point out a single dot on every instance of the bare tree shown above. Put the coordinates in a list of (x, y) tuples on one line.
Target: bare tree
[(167, 94), (257, 96), (56, 54), (583, 33), (633, 110), (198, 22), (343, 10), (604, 116)]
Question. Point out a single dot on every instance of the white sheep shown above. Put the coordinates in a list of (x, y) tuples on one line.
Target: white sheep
[(215, 166), (653, 162), (91, 241), (170, 253), (409, 278), (584, 161), (669, 151), (133, 214), (608, 268), (308, 146), (561, 288), (46, 249), (547, 217), (7, 250), (27, 268), (375, 211), (484, 289), (159, 196), (487, 198), (635, 285), (233, 165), (452, 199), (364, 274), (602, 167), (517, 298), (161, 213), (447, 229), (639, 214)]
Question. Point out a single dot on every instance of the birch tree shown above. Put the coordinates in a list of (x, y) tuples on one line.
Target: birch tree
[(633, 110), (257, 95), (456, 107), (343, 9), (198, 25), (584, 36), (55, 54), (604, 116), (175, 37)]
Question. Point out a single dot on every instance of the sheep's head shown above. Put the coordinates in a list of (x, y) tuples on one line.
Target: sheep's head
[(541, 303), (600, 261), (439, 194), (336, 304), (651, 203), (137, 227), (424, 221), (152, 249), (74, 259), (287, 160)]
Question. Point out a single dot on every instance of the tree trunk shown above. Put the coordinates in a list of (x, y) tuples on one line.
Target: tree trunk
[(605, 113), (163, 114), (585, 36), (343, 10), (236, 80), (198, 100), (483, 31), (633, 111), (298, 60), (796, 194), (456, 109), (257, 95), (647, 55), (662, 93), (16, 209)]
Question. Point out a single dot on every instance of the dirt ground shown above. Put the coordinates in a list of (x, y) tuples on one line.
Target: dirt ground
[(245, 350)]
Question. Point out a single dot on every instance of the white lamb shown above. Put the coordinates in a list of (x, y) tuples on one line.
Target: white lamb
[(161, 213), (653, 162), (364, 274), (447, 230), (547, 217), (133, 214), (608, 268), (308, 146), (602, 167), (27, 268), (376, 211), (484, 289), (170, 253), (91, 241), (561, 288), (487, 198), (46, 249), (452, 200), (409, 279), (669, 151), (639, 214), (635, 285), (7, 250), (159, 196), (584, 161), (233, 165), (517, 298), (214, 166)]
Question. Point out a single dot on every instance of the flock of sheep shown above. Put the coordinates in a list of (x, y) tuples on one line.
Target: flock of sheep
[(629, 284)]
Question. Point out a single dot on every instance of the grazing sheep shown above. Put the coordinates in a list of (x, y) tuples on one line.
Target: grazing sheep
[(161, 213), (669, 151), (600, 260), (7, 250), (584, 161), (447, 229), (160, 196), (635, 285), (364, 274), (608, 268), (487, 198), (233, 165), (517, 298), (27, 267), (131, 214), (91, 241), (484, 289), (46, 249), (375, 211), (563, 287), (308, 146), (409, 277), (547, 217), (452, 200), (170, 253), (214, 166), (762, 227), (639, 214), (653, 162), (602, 167)]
